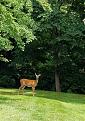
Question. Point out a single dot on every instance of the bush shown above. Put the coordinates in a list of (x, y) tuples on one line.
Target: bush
[(7, 81)]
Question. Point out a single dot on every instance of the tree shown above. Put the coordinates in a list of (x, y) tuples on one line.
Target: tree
[(16, 25), (62, 33), (57, 46)]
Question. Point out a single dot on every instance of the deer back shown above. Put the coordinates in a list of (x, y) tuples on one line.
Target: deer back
[(28, 82)]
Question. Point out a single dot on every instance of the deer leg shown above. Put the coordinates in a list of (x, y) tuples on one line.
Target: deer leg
[(21, 88), (33, 90)]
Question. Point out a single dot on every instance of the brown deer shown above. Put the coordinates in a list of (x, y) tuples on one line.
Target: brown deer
[(29, 83)]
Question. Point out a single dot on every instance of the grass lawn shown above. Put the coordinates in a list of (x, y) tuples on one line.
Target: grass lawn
[(44, 106)]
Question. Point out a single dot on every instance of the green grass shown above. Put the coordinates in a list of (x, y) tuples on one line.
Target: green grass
[(44, 106)]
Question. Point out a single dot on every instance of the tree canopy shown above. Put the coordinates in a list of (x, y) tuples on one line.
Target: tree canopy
[(46, 36)]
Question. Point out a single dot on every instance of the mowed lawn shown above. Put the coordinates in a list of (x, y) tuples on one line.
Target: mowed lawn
[(44, 106)]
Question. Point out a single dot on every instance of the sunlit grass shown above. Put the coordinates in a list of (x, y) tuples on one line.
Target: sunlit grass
[(44, 106)]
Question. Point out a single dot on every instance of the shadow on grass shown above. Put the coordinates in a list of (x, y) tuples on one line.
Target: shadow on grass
[(3, 99), (4, 95), (8, 92), (15, 92), (63, 97), (9, 95)]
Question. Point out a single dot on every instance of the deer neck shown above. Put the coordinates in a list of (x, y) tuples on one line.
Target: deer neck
[(36, 79)]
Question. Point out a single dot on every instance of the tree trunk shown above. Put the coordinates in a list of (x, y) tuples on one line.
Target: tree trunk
[(57, 82)]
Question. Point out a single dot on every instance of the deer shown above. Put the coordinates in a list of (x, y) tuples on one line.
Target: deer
[(29, 83)]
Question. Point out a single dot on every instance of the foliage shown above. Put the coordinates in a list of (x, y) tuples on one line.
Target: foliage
[(62, 38), (52, 36), (16, 24)]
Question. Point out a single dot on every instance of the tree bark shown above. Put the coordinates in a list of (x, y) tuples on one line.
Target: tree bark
[(57, 82)]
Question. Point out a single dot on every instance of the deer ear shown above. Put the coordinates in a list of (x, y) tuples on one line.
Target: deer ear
[(35, 74), (39, 74)]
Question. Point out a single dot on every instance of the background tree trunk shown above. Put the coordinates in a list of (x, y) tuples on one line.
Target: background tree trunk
[(57, 82)]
